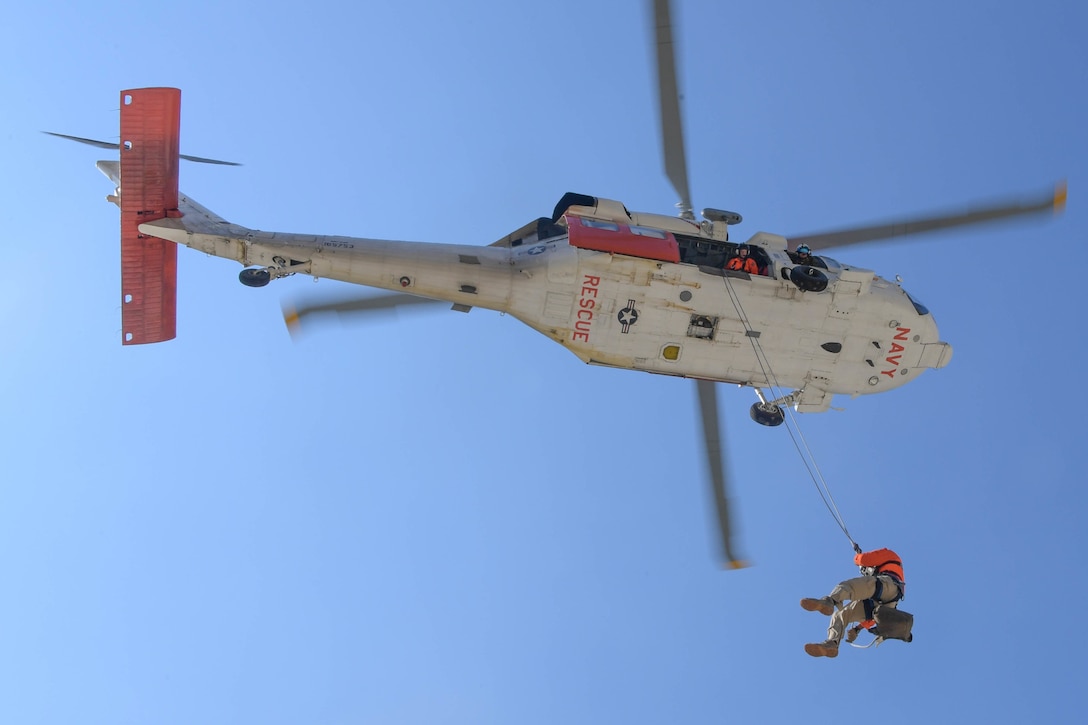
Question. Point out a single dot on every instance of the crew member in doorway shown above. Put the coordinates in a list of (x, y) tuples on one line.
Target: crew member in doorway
[(743, 261), (804, 255), (881, 584)]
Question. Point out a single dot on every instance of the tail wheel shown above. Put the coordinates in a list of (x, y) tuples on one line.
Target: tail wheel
[(768, 415), (255, 277)]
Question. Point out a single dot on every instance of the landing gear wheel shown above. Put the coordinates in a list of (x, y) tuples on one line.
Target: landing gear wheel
[(768, 415), (255, 277)]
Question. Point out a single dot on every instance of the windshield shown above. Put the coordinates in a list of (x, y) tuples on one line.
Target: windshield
[(922, 309)]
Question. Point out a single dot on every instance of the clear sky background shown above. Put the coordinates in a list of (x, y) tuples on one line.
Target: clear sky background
[(445, 518)]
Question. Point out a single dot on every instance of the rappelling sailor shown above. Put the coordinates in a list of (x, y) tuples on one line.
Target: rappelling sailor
[(862, 599)]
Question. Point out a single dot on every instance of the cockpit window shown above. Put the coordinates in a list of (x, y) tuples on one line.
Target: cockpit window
[(922, 309)]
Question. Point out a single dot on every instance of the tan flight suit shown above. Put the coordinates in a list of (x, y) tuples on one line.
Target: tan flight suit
[(856, 591)]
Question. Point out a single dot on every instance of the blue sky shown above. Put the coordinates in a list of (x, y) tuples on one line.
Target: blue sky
[(435, 517)]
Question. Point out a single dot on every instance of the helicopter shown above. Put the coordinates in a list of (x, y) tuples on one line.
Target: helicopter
[(618, 288)]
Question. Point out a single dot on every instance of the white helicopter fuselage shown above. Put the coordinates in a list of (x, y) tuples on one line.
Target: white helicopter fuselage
[(637, 305)]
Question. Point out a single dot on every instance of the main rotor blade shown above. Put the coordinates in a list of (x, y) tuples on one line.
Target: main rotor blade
[(1053, 201), (293, 315), (708, 409), (116, 146), (668, 96)]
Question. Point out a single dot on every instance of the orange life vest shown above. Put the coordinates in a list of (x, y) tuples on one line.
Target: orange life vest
[(744, 264)]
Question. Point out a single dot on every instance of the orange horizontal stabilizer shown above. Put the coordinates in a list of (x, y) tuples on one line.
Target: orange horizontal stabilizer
[(150, 129)]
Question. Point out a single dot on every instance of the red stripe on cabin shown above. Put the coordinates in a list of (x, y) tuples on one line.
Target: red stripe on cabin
[(605, 236)]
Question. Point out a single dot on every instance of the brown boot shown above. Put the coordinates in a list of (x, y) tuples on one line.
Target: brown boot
[(823, 605), (824, 649)]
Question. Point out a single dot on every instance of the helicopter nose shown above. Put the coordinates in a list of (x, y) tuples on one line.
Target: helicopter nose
[(934, 353)]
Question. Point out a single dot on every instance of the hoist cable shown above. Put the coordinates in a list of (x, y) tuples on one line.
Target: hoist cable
[(800, 443), (816, 474)]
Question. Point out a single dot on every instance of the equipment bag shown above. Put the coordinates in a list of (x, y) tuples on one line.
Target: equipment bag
[(892, 623)]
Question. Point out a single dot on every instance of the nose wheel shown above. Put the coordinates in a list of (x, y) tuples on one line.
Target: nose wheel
[(768, 414)]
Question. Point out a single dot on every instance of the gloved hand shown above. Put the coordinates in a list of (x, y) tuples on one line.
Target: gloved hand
[(857, 549), (852, 633)]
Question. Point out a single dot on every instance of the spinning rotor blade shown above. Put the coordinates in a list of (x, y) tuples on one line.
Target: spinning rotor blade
[(293, 316), (668, 96), (708, 408), (1053, 201), (116, 146)]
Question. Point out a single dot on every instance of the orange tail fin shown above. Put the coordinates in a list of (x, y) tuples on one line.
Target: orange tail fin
[(150, 129)]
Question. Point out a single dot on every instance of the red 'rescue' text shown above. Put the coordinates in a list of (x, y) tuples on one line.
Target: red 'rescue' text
[(587, 302)]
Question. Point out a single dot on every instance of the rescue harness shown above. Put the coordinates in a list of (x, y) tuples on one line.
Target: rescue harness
[(877, 599), (889, 621)]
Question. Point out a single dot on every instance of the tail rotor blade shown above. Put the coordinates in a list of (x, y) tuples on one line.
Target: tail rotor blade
[(116, 146), (708, 409), (202, 160), (668, 94), (1052, 202), (88, 141)]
